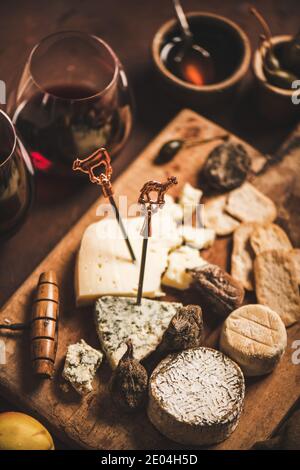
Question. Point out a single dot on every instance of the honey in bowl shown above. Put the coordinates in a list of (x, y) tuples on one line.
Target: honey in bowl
[(220, 41)]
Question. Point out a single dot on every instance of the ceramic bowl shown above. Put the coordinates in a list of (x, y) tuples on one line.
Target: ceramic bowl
[(274, 103), (231, 38)]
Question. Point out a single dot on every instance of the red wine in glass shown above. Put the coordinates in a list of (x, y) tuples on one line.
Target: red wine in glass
[(16, 180), (72, 99)]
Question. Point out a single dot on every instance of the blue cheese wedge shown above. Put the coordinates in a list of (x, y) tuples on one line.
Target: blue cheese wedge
[(81, 364), (119, 318), (180, 260), (104, 266)]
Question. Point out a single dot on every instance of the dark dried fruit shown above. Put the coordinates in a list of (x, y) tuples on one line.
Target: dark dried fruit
[(185, 330), (170, 149), (227, 166), (220, 291), (129, 382)]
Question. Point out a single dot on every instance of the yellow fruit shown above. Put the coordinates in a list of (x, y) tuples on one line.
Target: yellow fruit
[(19, 431)]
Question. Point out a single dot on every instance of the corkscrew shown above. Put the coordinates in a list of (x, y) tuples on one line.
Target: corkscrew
[(43, 325)]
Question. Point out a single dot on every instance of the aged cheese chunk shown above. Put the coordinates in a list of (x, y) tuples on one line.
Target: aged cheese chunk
[(119, 319), (255, 337), (215, 217), (175, 210), (198, 238), (189, 199), (179, 261), (104, 266), (82, 362), (196, 396), (248, 204)]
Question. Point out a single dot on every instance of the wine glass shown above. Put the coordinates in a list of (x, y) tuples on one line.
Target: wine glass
[(73, 97), (16, 179)]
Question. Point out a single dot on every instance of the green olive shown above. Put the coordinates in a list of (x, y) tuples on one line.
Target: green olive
[(168, 151)]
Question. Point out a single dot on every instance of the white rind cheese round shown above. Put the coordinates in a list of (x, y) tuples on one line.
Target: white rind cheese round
[(196, 396), (255, 337)]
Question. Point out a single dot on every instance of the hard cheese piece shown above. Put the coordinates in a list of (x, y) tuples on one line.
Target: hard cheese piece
[(215, 217), (175, 210), (179, 261), (198, 238), (82, 362), (248, 204), (104, 266), (269, 237), (276, 284), (119, 319), (255, 337), (196, 396), (189, 199), (243, 256)]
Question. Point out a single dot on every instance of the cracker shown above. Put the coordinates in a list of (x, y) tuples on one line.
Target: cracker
[(215, 217), (269, 237), (296, 259), (243, 256), (276, 284), (248, 204)]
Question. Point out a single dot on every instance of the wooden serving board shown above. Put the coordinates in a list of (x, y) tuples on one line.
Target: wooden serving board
[(93, 422)]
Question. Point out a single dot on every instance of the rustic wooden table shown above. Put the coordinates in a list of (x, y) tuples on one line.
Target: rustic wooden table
[(129, 27)]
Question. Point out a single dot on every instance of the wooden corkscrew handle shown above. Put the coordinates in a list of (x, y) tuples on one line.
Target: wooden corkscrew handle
[(44, 325)]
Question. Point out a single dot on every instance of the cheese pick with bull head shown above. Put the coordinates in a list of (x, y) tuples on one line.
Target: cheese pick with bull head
[(150, 206), (101, 158)]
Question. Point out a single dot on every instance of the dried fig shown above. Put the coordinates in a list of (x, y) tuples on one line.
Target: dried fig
[(221, 292), (184, 331), (129, 382), (227, 166)]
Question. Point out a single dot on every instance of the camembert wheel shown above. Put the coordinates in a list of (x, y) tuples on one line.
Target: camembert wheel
[(196, 396)]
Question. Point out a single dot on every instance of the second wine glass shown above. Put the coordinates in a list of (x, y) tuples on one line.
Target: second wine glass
[(73, 97)]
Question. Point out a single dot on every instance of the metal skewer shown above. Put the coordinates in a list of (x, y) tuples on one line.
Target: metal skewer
[(150, 207), (146, 233), (88, 165)]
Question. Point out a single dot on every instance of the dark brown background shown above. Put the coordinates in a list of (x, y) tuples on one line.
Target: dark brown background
[(128, 25)]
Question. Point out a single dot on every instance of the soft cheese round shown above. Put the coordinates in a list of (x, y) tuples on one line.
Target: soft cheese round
[(255, 337), (196, 396)]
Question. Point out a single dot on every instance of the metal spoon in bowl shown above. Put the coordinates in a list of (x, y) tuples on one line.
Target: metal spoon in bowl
[(188, 38)]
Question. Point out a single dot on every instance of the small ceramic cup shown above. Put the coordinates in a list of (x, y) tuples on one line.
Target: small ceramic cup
[(230, 35), (274, 103)]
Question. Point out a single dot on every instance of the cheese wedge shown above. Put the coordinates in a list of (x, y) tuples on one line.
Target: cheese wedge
[(119, 318), (179, 261), (104, 266)]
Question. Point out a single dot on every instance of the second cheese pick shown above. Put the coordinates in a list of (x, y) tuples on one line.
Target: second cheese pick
[(150, 206)]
